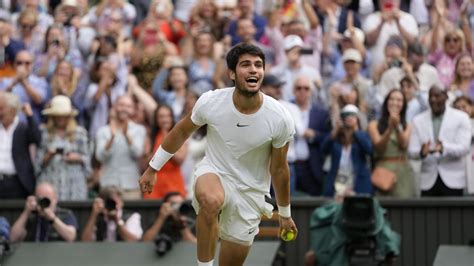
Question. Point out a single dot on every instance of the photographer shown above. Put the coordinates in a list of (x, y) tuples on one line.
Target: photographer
[(171, 220), (109, 221), (42, 220)]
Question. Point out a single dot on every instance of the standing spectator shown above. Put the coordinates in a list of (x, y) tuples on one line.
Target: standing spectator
[(29, 31), (29, 87), (294, 67), (56, 49), (202, 66), (205, 17), (441, 137), (63, 81), (109, 221), (170, 177), (316, 125), (348, 148), (16, 169), (102, 93), (9, 46), (463, 83), (271, 86), (120, 145), (44, 19), (444, 59), (99, 15), (416, 102), (390, 136), (379, 26), (174, 92), (63, 157), (464, 103), (246, 8), (42, 220)]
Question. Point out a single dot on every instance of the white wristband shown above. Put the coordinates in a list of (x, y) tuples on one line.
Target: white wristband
[(284, 212), (160, 158)]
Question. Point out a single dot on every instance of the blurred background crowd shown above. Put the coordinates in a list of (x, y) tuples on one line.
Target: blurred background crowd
[(381, 91)]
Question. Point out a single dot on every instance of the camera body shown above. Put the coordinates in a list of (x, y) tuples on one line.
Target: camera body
[(163, 244), (395, 63), (110, 204)]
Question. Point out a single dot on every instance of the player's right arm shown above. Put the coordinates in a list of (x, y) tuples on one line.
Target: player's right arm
[(171, 143)]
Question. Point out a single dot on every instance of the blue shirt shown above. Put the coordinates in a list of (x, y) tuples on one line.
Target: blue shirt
[(39, 85), (258, 21)]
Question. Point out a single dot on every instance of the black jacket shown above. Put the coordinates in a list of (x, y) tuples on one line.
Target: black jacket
[(24, 135)]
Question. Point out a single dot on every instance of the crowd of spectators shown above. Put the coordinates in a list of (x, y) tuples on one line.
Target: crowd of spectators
[(89, 89)]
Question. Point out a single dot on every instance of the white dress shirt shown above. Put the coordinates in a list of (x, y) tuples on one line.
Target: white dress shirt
[(6, 141)]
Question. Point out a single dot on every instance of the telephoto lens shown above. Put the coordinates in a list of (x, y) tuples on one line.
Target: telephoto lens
[(110, 204), (163, 244), (44, 202)]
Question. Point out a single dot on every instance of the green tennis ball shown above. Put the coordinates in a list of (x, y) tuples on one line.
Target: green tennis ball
[(287, 235)]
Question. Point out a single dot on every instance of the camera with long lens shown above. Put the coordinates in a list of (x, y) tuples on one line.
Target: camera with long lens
[(43, 202), (163, 244), (359, 223)]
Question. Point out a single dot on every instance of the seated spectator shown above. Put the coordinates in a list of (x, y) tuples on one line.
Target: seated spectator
[(109, 221), (169, 178), (29, 87), (204, 16), (463, 83), (42, 220), (464, 103), (63, 81), (63, 157), (170, 221), (390, 136), (441, 138), (16, 168), (348, 147), (120, 146)]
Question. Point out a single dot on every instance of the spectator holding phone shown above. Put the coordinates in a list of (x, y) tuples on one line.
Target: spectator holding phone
[(42, 220), (108, 220), (63, 155)]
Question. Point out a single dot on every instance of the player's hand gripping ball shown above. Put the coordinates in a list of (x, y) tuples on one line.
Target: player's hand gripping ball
[(287, 235)]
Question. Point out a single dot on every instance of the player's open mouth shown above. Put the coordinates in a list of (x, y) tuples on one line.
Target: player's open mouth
[(252, 81)]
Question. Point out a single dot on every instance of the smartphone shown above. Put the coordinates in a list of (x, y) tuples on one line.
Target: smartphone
[(306, 51)]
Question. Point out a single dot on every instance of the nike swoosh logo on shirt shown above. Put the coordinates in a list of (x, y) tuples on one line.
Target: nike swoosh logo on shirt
[(239, 125)]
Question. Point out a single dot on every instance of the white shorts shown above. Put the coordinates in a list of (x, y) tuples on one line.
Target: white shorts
[(241, 212)]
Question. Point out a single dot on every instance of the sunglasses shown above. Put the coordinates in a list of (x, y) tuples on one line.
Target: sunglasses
[(452, 39), (298, 88), (26, 63), (27, 26)]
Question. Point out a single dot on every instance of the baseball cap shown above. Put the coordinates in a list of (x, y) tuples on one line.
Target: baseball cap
[(272, 80), (349, 109), (359, 34), (352, 55), (292, 41), (395, 40), (5, 16)]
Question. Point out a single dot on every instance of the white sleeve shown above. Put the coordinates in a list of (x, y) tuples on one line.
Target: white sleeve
[(198, 115), (409, 23), (372, 22), (134, 225), (285, 131)]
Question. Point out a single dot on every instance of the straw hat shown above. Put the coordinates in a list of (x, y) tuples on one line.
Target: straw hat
[(60, 106)]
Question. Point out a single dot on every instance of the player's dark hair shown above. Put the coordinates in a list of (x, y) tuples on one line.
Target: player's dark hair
[(241, 49)]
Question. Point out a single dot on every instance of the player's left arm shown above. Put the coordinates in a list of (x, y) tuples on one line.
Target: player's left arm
[(280, 173)]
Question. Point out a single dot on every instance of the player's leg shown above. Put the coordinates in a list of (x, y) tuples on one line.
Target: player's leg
[(232, 253), (210, 195)]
